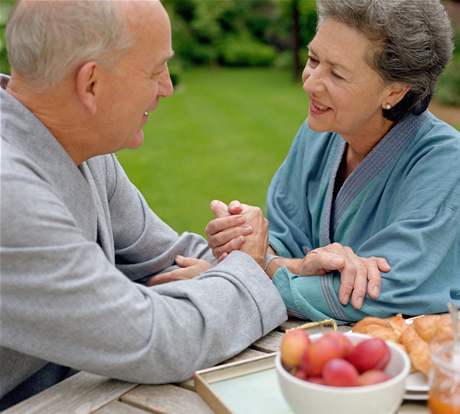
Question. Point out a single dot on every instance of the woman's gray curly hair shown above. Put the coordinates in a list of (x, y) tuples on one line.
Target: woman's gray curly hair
[(413, 43)]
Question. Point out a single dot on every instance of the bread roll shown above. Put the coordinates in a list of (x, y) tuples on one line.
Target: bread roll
[(418, 350)]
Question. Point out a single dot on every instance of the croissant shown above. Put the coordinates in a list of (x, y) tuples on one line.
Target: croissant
[(387, 333), (418, 350), (387, 329), (415, 338)]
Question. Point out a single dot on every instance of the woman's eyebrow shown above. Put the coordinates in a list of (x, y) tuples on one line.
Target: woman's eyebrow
[(333, 64)]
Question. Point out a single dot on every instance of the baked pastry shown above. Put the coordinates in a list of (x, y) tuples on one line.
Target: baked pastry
[(418, 350), (415, 338)]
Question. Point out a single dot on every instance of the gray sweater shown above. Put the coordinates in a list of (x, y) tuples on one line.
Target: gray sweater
[(73, 243)]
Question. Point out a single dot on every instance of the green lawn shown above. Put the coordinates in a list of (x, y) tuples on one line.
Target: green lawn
[(222, 135)]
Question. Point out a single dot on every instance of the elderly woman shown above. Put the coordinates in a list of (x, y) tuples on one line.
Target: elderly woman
[(371, 174)]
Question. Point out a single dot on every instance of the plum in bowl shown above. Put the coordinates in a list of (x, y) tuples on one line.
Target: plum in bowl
[(359, 375)]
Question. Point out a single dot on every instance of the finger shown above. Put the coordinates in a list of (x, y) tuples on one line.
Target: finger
[(347, 277), (222, 257), (164, 278), (219, 224), (383, 264), (373, 279), (183, 261), (234, 244), (360, 286), (224, 237), (219, 208), (235, 207)]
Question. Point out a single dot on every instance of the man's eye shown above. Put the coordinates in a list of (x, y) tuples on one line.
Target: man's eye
[(312, 61)]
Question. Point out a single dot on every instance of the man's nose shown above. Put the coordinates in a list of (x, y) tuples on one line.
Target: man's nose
[(166, 86)]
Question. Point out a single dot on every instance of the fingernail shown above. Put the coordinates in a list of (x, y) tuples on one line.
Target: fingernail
[(375, 291)]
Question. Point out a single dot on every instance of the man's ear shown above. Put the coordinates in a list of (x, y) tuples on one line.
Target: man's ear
[(396, 91), (87, 86)]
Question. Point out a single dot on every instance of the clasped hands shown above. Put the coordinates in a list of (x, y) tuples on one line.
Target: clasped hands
[(234, 227), (255, 242), (242, 227)]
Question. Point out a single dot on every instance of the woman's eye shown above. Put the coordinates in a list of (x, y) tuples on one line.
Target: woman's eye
[(336, 75)]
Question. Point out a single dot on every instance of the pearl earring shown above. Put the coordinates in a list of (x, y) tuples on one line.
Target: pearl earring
[(387, 106)]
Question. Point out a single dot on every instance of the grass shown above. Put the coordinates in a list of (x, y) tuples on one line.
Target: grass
[(222, 135)]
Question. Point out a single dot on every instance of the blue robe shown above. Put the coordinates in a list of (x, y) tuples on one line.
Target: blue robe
[(402, 202)]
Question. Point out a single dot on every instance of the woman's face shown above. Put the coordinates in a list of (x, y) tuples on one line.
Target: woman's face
[(346, 94)]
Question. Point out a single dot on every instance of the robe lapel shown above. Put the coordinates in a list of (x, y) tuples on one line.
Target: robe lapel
[(384, 153), (53, 164)]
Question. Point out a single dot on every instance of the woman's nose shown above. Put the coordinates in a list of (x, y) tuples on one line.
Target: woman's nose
[(312, 80)]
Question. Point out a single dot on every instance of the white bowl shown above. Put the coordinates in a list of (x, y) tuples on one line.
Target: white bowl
[(306, 397)]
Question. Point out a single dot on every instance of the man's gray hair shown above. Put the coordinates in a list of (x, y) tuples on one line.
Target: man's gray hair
[(46, 40), (412, 38)]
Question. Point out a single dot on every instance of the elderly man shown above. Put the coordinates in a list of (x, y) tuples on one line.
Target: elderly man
[(76, 235)]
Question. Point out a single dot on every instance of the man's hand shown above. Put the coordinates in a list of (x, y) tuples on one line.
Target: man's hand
[(190, 267), (228, 231), (238, 227)]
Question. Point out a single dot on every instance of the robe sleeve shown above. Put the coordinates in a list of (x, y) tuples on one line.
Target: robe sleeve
[(144, 244), (419, 235), (63, 301), (287, 211), (418, 246)]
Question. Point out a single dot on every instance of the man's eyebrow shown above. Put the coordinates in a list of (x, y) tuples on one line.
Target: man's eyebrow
[(165, 60), (169, 57), (337, 65)]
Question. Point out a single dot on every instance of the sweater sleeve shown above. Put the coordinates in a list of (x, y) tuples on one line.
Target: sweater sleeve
[(63, 301), (144, 244)]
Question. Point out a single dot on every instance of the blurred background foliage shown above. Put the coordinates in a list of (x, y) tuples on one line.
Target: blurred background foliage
[(238, 103), (249, 33), (241, 33)]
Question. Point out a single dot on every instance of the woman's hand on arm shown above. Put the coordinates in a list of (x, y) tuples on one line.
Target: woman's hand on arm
[(358, 275)]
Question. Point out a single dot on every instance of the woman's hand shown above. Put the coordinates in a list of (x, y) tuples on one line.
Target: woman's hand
[(190, 267), (358, 275)]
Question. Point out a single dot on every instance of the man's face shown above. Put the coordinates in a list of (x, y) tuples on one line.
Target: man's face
[(133, 86)]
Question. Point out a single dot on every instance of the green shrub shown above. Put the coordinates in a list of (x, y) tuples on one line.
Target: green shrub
[(448, 90), (284, 59), (242, 50)]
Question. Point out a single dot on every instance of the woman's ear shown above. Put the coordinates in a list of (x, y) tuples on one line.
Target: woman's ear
[(395, 92), (87, 85)]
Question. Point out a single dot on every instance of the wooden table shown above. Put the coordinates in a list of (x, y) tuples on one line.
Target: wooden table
[(86, 393)]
